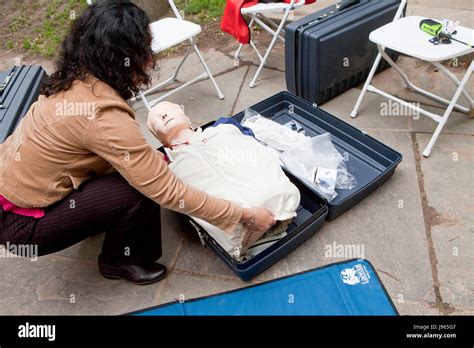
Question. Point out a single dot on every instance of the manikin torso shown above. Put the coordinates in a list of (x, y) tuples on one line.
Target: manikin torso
[(225, 163)]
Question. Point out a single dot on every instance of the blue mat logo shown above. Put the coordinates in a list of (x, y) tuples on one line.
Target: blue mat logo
[(355, 275)]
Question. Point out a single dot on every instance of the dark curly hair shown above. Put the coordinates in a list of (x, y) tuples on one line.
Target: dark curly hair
[(109, 40)]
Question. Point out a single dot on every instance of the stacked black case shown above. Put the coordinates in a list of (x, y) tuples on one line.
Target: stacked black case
[(329, 51), (19, 88)]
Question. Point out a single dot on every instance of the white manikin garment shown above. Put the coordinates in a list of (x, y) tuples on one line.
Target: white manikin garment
[(225, 163)]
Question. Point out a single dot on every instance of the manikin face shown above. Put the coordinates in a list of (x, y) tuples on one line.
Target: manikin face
[(165, 120)]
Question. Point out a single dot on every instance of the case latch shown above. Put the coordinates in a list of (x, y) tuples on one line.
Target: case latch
[(202, 238), (4, 84)]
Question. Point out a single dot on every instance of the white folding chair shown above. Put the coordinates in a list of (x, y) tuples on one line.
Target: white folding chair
[(404, 36), (169, 32), (257, 15)]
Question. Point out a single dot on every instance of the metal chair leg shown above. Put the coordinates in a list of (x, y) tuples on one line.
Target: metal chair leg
[(417, 89), (366, 85), (270, 47), (239, 50), (455, 80), (448, 111), (209, 74), (186, 55)]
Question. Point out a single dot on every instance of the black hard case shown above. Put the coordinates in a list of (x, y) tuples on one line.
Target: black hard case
[(369, 160), (21, 89), (329, 51)]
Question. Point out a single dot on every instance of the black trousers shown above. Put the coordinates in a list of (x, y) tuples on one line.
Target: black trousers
[(107, 203)]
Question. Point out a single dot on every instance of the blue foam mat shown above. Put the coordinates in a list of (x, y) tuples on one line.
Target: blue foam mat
[(345, 288)]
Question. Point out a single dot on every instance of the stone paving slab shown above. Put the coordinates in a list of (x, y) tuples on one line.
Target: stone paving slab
[(47, 286), (439, 9), (269, 83), (276, 58), (463, 310), (458, 123), (448, 177), (441, 4), (217, 62), (408, 307), (306, 10), (371, 112)]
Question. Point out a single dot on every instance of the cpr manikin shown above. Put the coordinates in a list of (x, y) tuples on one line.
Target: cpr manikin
[(225, 163)]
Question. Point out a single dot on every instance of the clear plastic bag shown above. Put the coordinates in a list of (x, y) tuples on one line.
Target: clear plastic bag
[(250, 115), (345, 180), (302, 155), (303, 160), (270, 132)]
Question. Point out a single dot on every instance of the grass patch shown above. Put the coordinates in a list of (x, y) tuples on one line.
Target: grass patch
[(19, 22), (45, 36), (58, 17), (26, 44), (40, 27), (202, 11)]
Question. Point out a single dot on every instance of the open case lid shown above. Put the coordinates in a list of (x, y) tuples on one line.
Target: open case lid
[(369, 160)]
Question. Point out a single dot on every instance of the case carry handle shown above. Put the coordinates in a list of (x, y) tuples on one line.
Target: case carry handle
[(345, 4)]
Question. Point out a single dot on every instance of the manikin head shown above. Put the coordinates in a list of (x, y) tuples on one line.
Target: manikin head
[(166, 120)]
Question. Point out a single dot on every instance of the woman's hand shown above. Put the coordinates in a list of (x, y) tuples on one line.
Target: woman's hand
[(258, 220)]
